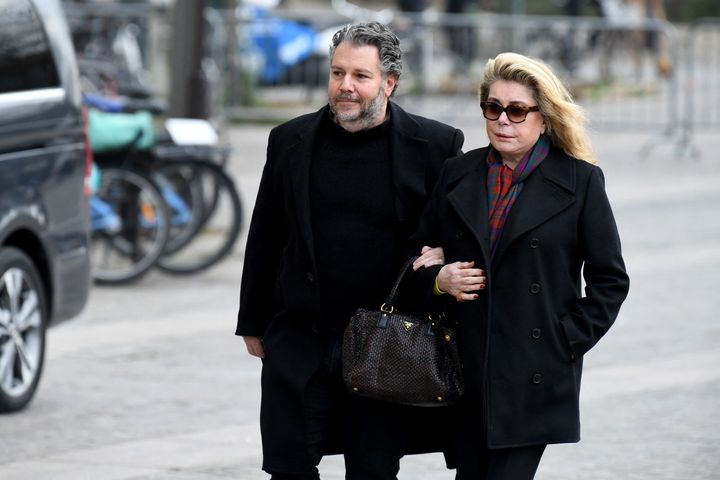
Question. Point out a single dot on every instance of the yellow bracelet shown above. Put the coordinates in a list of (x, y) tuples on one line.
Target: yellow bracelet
[(436, 289)]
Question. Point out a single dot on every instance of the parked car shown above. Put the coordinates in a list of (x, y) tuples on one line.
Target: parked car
[(44, 174)]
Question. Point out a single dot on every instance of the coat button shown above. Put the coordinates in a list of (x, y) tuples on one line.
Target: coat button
[(536, 333), (537, 378), (534, 243), (534, 288), (459, 234), (310, 277)]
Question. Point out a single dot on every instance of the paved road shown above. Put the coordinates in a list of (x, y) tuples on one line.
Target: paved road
[(150, 383)]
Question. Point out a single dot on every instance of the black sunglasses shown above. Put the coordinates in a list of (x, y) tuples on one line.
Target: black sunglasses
[(515, 113)]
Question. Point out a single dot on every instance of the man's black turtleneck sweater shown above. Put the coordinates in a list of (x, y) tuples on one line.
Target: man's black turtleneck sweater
[(354, 225)]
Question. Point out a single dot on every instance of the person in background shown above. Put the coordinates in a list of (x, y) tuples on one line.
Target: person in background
[(523, 223), (341, 192)]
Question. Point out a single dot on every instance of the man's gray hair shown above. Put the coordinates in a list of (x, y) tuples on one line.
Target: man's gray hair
[(376, 35)]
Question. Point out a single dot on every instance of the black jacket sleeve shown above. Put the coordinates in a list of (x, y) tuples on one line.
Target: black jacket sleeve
[(606, 280)]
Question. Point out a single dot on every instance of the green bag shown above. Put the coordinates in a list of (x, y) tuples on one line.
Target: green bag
[(111, 131)]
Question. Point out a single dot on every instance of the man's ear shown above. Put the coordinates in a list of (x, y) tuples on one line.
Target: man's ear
[(390, 83)]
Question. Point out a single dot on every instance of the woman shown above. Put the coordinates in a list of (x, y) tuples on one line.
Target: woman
[(519, 222)]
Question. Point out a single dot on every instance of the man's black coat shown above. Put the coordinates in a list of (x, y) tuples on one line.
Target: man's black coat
[(279, 293)]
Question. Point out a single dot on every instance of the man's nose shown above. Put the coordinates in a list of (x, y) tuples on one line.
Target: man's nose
[(346, 84)]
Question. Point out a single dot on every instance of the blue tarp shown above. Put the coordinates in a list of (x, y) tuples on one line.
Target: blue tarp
[(281, 43)]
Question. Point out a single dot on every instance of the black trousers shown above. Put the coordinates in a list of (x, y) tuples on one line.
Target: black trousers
[(381, 433), (374, 434)]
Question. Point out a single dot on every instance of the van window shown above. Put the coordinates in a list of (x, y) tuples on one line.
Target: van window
[(26, 62)]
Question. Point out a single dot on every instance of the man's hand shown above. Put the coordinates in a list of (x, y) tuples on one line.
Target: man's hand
[(254, 346), (429, 256), (460, 278)]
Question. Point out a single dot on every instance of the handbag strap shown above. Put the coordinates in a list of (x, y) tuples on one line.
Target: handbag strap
[(388, 306)]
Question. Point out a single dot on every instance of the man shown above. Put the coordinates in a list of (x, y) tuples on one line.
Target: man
[(341, 191)]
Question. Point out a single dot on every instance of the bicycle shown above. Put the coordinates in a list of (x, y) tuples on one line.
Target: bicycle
[(204, 188), (199, 220), (129, 221)]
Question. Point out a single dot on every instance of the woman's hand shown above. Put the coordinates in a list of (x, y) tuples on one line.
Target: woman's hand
[(461, 280), (429, 256)]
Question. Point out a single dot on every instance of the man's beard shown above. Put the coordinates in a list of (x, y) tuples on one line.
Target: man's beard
[(368, 114)]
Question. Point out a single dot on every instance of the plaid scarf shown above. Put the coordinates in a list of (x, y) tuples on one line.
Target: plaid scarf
[(505, 184)]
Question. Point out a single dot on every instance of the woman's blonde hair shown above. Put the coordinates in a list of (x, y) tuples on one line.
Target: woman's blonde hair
[(565, 120)]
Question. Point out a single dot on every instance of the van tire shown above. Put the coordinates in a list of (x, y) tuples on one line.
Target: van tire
[(23, 321)]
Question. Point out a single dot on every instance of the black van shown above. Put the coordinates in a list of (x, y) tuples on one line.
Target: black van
[(44, 169)]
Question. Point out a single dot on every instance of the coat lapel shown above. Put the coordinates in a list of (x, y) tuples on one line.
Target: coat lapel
[(300, 158), (469, 198), (405, 148), (547, 191)]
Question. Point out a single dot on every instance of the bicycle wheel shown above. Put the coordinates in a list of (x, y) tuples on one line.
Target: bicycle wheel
[(184, 198), (129, 225), (210, 196)]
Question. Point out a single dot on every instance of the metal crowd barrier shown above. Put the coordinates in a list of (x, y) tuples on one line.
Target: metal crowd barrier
[(701, 83), (615, 68), (631, 75), (607, 65)]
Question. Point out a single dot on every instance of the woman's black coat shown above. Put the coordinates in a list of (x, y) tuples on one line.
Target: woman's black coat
[(279, 294), (524, 339)]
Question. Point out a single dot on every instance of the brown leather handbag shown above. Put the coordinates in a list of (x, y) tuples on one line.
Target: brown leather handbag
[(399, 357)]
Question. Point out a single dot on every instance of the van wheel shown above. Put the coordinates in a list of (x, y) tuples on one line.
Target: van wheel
[(23, 319)]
